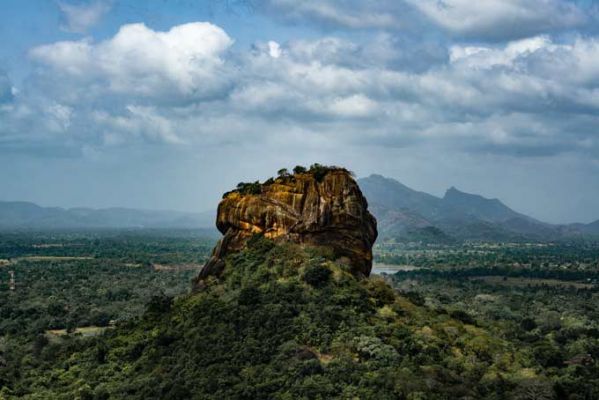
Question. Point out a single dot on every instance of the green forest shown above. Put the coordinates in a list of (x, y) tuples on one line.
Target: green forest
[(109, 315)]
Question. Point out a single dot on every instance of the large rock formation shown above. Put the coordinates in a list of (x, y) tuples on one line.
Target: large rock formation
[(323, 207)]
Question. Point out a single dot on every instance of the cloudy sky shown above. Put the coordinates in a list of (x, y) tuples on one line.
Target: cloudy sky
[(166, 104)]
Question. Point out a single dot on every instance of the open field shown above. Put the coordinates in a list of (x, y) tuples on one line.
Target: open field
[(382, 268), (177, 267)]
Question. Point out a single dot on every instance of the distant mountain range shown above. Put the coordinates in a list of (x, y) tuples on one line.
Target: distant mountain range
[(405, 214), (24, 215)]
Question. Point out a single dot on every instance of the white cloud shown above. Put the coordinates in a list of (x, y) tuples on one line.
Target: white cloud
[(274, 49), (79, 18), (136, 122), (185, 61), (575, 62), (356, 105), (489, 57), (498, 19), (59, 117), (188, 87)]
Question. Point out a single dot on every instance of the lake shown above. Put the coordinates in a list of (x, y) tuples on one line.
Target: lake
[(380, 268)]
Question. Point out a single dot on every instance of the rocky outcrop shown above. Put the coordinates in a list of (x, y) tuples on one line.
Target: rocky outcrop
[(323, 209)]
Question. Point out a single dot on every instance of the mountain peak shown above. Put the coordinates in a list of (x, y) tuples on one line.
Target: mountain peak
[(475, 205), (455, 192)]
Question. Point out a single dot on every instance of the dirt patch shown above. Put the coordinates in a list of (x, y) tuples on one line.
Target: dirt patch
[(83, 331), (176, 267), (52, 258)]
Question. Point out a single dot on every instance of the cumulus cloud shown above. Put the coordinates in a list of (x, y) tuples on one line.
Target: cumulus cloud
[(183, 63), (79, 18), (188, 86), (516, 97)]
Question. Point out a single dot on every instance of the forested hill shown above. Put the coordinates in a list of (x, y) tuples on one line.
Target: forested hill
[(284, 321)]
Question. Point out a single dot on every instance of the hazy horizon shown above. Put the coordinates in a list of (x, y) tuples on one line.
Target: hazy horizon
[(213, 209), (166, 105)]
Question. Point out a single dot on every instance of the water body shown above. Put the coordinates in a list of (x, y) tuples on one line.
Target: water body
[(380, 268)]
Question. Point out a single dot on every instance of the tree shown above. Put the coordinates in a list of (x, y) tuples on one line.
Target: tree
[(299, 169), (317, 275), (283, 172), (534, 389)]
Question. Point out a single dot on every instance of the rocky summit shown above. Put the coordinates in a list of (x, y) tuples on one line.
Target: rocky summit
[(322, 206)]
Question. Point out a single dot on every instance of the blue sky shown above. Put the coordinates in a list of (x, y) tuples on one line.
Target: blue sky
[(167, 104)]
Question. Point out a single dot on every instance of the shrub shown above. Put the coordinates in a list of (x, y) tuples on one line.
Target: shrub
[(249, 296), (317, 275), (528, 324), (159, 304), (380, 292), (319, 171), (283, 172), (249, 188), (462, 316), (299, 169), (260, 244)]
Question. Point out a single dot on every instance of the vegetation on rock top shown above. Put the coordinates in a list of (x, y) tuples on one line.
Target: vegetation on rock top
[(283, 175)]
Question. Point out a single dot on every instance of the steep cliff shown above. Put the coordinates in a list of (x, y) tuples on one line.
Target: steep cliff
[(321, 207)]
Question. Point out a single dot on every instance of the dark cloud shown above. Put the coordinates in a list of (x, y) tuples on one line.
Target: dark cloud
[(352, 14), (490, 20)]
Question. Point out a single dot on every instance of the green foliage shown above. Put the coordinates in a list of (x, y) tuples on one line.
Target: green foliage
[(542, 298), (265, 331), (463, 316), (283, 172), (159, 304), (249, 188), (317, 275), (284, 322), (319, 171), (299, 169)]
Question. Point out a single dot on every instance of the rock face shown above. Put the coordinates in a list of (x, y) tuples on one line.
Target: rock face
[(326, 209)]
